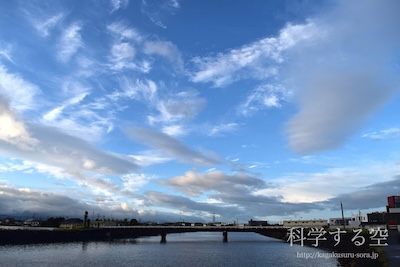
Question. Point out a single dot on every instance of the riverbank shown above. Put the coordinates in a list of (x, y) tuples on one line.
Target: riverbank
[(392, 251), (33, 236)]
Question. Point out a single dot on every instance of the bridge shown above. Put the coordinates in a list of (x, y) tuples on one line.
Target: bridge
[(155, 230)]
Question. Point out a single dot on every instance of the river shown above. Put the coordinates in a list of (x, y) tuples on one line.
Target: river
[(187, 249)]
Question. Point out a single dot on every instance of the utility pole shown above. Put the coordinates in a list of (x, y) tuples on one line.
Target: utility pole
[(344, 223)]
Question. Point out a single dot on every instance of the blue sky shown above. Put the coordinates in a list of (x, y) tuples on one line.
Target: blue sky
[(169, 110)]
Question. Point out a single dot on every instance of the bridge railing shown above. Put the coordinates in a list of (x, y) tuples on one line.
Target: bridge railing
[(197, 227)]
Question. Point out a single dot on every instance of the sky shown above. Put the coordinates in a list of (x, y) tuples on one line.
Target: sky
[(175, 110)]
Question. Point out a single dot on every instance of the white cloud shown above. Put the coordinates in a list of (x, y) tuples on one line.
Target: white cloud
[(117, 4), (25, 201), (222, 129), (257, 60), (122, 55), (134, 181), (164, 49), (150, 157), (69, 42), (53, 114), (175, 130), (50, 146), (181, 106), (264, 97), (80, 115), (174, 3), (123, 32), (171, 147), (301, 187), (392, 133), (30, 166), (123, 51), (44, 27), (19, 92), (157, 10), (193, 183), (14, 131), (6, 53)]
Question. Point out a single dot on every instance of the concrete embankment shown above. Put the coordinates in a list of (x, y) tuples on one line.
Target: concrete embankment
[(68, 235)]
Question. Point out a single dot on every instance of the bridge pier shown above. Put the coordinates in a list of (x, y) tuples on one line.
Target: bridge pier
[(163, 238), (225, 236)]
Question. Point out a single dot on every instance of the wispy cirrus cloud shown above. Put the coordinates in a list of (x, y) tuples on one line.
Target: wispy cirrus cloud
[(69, 43), (391, 133), (44, 27), (117, 4), (183, 105), (222, 129), (264, 97), (259, 60), (20, 93), (123, 33), (79, 112), (6, 51), (122, 55), (168, 108), (158, 10), (165, 49), (125, 47)]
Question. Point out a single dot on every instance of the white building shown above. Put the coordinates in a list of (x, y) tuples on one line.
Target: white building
[(305, 223), (356, 221)]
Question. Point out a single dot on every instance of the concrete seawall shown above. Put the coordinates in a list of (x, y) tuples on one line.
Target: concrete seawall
[(42, 236)]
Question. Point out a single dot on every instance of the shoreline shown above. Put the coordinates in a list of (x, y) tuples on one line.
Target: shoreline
[(36, 236)]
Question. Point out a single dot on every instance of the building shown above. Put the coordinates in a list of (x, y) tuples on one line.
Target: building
[(376, 220), (338, 222), (72, 223), (305, 223), (393, 212), (32, 223), (356, 221), (257, 223), (101, 223)]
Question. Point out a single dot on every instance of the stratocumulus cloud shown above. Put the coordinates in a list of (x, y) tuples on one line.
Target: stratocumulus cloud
[(171, 146), (50, 146), (344, 74)]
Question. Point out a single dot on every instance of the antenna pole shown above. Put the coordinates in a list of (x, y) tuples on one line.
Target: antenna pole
[(344, 223)]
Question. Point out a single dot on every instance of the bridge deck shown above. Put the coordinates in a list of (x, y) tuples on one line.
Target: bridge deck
[(202, 228)]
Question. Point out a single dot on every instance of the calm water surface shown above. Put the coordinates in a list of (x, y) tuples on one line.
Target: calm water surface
[(188, 249)]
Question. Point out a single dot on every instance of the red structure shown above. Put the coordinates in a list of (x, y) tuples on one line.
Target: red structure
[(394, 202), (393, 210)]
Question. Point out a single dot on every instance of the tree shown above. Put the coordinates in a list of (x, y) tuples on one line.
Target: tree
[(53, 222), (85, 223)]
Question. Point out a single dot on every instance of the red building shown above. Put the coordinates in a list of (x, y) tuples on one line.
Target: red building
[(393, 212)]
